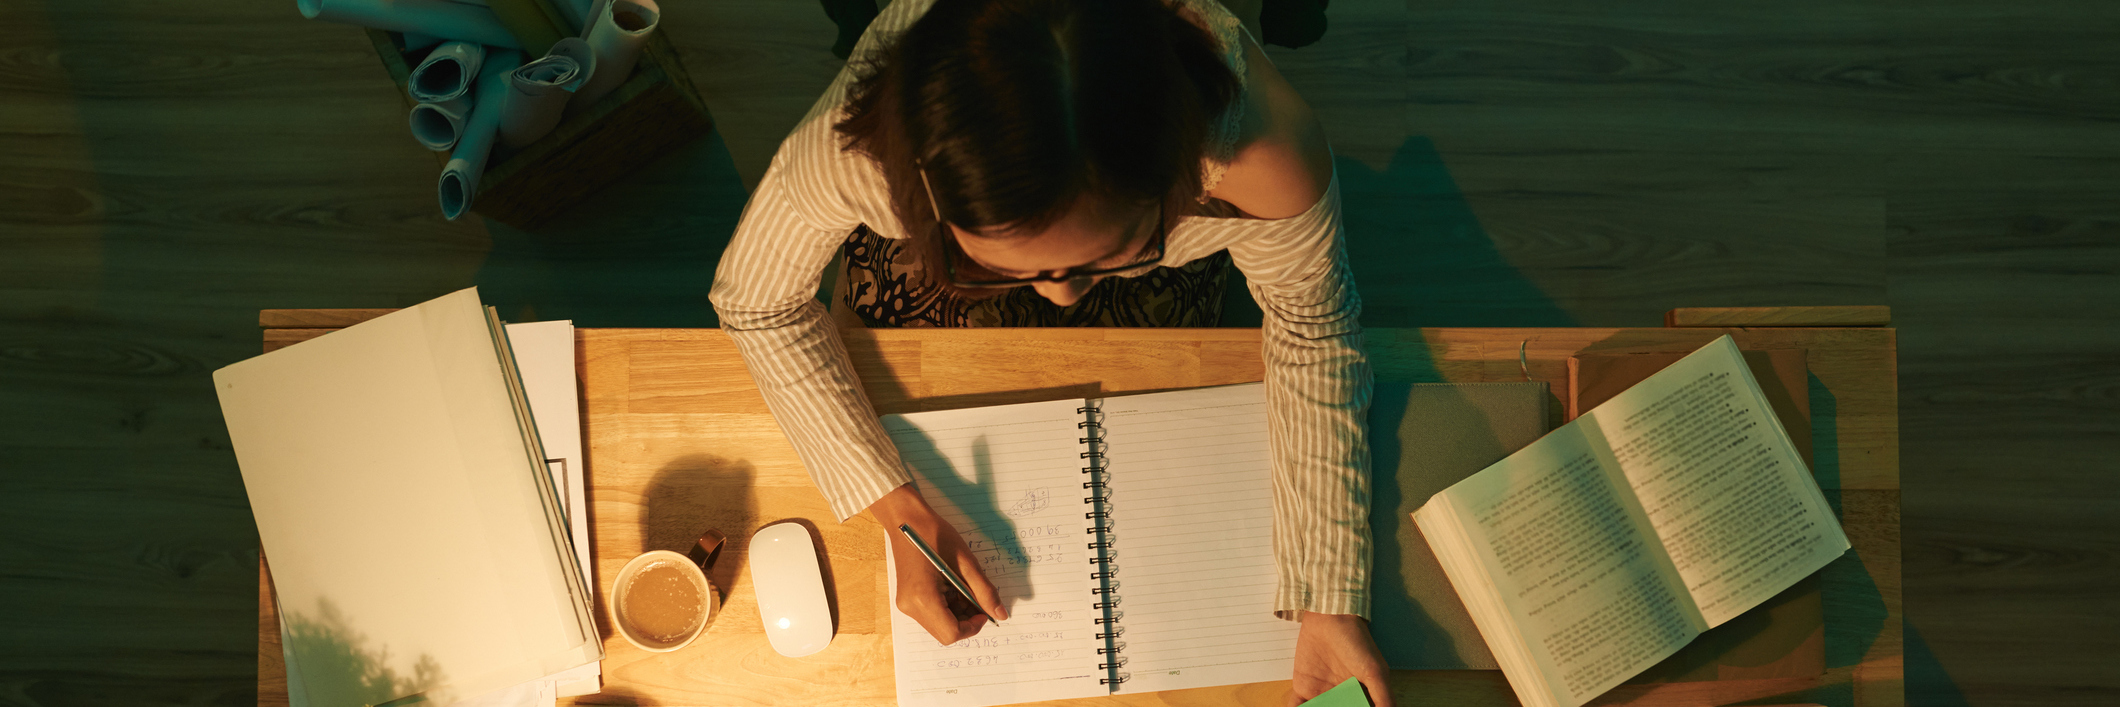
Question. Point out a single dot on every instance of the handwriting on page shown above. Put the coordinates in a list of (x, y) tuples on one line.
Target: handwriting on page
[(1048, 634), (1034, 545), (1005, 485), (1033, 501)]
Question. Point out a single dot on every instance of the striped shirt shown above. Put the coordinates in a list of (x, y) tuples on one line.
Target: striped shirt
[(814, 194)]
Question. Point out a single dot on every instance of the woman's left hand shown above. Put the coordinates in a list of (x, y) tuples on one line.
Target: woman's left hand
[(1333, 647)]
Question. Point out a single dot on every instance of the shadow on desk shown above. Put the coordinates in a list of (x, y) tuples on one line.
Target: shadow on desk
[(691, 494)]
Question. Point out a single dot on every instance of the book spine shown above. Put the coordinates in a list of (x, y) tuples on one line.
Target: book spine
[(1104, 596)]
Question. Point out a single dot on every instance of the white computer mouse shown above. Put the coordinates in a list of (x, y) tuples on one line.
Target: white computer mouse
[(790, 589)]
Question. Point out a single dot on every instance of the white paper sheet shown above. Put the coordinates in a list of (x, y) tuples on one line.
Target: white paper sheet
[(459, 182), (617, 33), (439, 18), (1009, 480), (538, 91), (1192, 507), (544, 354), (529, 694), (385, 466)]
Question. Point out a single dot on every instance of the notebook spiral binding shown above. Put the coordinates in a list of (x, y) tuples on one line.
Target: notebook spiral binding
[(1101, 535)]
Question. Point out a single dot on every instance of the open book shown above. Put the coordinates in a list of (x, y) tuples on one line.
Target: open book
[(1613, 541), (1063, 501)]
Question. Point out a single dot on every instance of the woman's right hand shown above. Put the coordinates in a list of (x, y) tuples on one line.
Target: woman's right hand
[(924, 594)]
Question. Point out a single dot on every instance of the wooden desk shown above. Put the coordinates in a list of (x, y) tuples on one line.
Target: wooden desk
[(680, 440)]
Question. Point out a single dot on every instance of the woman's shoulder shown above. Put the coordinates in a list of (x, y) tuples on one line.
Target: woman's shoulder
[(829, 186), (1281, 163)]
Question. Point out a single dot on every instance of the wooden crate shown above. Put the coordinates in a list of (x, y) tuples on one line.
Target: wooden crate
[(655, 111)]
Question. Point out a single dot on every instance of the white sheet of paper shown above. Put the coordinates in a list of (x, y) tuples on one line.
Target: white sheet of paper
[(1193, 510), (617, 48), (1008, 479), (544, 357), (385, 467)]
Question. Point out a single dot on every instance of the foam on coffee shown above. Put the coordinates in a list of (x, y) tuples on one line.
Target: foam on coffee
[(663, 603)]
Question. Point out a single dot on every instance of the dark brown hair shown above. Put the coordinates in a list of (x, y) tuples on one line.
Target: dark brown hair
[(1017, 109)]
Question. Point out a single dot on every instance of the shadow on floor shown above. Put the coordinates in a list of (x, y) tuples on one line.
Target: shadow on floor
[(640, 253), (1928, 683), (1420, 256)]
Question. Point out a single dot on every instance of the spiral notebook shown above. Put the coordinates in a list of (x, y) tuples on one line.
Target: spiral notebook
[(1130, 538)]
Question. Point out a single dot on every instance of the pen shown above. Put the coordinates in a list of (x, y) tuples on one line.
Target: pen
[(947, 573)]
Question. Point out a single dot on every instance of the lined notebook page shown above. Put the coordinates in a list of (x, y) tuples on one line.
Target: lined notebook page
[(1009, 479), (1192, 508)]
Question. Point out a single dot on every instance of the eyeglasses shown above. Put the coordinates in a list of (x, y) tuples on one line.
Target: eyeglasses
[(1149, 256)]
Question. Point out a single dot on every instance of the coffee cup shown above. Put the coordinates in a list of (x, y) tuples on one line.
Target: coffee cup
[(661, 601)]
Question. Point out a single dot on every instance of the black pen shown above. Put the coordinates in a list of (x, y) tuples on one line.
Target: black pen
[(947, 573)]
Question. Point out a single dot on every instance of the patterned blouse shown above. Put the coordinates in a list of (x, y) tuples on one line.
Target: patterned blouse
[(814, 194)]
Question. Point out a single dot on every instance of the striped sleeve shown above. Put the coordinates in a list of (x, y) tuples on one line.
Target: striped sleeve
[(764, 291), (1317, 393)]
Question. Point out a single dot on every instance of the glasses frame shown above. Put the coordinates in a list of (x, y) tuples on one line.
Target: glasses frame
[(951, 251)]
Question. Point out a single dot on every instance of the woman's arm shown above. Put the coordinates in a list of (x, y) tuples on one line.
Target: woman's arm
[(1317, 377), (763, 291), (1318, 382)]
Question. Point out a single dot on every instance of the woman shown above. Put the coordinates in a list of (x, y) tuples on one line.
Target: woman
[(1021, 162)]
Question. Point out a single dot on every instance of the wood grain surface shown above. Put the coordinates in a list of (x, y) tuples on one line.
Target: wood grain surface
[(1868, 315), (679, 440), (171, 169)]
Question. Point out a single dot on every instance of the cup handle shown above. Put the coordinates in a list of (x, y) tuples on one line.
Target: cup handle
[(706, 549)]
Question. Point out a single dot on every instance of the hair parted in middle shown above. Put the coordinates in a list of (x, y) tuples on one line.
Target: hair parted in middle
[(1020, 109)]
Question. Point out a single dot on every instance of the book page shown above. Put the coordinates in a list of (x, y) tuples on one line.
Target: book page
[(1192, 511), (1725, 489), (1581, 590), (1009, 479)]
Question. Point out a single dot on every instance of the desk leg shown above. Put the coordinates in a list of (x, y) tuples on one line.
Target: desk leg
[(272, 663)]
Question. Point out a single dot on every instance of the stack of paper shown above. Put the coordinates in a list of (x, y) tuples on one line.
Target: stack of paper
[(420, 543)]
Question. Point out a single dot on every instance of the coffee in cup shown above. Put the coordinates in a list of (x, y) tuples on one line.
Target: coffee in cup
[(661, 601)]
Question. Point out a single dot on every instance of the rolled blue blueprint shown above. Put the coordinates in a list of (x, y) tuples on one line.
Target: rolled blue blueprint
[(538, 92), (617, 32), (460, 177), (439, 125), (438, 18), (447, 72)]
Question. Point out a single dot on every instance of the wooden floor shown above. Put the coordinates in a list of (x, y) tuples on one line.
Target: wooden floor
[(167, 169)]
